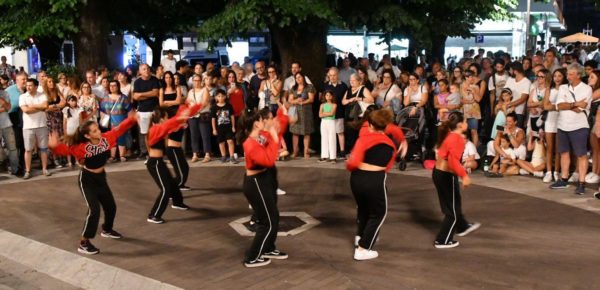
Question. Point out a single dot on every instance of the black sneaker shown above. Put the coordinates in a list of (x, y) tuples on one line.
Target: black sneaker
[(223, 159), (275, 254), (580, 190), (597, 195), (321, 160), (472, 227), (234, 160), (180, 206), (448, 245), (184, 188), (155, 220), (142, 156), (257, 263), (86, 247), (111, 234), (333, 161)]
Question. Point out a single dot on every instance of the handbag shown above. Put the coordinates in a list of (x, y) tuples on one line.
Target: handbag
[(105, 121), (293, 114)]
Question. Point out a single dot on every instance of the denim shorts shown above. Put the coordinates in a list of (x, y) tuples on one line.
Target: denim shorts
[(473, 123), (573, 140)]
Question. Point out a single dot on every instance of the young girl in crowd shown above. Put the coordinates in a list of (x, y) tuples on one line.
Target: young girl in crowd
[(71, 121), (470, 155), (260, 137), (373, 155), (505, 164), (538, 157), (92, 148), (502, 110), (223, 121), (445, 176), (328, 134), (156, 165), (447, 100)]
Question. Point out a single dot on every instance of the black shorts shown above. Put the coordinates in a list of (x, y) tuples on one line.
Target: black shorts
[(177, 136), (224, 133)]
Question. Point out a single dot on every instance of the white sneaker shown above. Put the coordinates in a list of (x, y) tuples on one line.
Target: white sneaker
[(356, 240), (556, 175), (539, 174), (523, 172), (592, 178), (574, 177), (280, 192), (547, 177), (361, 255)]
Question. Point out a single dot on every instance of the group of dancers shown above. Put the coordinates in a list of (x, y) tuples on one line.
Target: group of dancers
[(261, 133)]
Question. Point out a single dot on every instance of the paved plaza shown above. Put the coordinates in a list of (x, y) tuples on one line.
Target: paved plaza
[(531, 238)]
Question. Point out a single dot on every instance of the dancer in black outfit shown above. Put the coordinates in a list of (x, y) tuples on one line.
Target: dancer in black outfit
[(372, 156), (261, 145), (448, 169), (170, 97), (157, 167), (92, 149)]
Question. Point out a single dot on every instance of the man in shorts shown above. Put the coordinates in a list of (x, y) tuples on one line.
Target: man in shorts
[(35, 130)]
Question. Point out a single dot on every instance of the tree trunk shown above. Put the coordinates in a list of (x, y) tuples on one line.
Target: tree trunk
[(156, 46), (438, 48), (49, 49), (304, 43), (91, 40)]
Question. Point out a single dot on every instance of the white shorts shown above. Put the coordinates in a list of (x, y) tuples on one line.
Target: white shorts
[(34, 136), (520, 151), (339, 125), (144, 119), (550, 124)]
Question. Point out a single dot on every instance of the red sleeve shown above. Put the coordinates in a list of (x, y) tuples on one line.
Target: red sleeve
[(396, 133), (257, 154), (116, 132), (77, 150), (456, 146), (357, 155), (283, 120), (159, 131)]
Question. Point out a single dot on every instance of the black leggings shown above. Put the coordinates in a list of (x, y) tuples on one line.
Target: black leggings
[(260, 190), (180, 165), (370, 193), (96, 193), (159, 171), (448, 190)]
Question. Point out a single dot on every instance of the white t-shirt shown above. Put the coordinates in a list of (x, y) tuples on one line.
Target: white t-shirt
[(518, 89), (499, 84), (291, 81), (567, 119), (37, 119), (470, 150), (73, 122), (416, 96), (168, 64)]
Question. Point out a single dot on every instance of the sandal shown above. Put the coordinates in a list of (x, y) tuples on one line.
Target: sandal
[(195, 159), (206, 159), (123, 159)]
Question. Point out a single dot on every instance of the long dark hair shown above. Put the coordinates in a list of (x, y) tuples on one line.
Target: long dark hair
[(449, 125), (84, 129), (172, 84), (563, 72), (246, 123), (597, 84)]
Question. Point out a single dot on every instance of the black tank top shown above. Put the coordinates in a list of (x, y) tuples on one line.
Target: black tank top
[(160, 145), (379, 155), (172, 110)]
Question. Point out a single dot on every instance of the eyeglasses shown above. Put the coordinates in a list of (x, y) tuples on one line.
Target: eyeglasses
[(541, 77)]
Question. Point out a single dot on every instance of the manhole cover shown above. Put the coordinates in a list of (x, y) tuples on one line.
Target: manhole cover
[(290, 223)]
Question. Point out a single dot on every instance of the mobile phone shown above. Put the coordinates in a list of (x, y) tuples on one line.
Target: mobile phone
[(500, 128)]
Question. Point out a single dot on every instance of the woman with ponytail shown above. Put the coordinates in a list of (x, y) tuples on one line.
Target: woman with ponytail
[(92, 149), (260, 137), (448, 169), (372, 157)]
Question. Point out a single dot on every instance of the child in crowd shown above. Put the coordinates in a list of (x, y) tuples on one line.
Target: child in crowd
[(328, 134), (504, 164), (222, 124), (470, 156), (453, 100), (441, 100), (502, 110), (538, 157), (71, 121)]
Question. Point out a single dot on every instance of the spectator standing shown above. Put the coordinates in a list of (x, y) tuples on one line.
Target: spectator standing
[(169, 62), (56, 101), (16, 116), (519, 85), (339, 90), (255, 82), (302, 95), (117, 105), (346, 71), (8, 134), (559, 78), (573, 106), (35, 128), (145, 92), (594, 82)]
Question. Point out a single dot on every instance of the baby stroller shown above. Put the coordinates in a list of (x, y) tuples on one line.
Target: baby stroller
[(412, 126)]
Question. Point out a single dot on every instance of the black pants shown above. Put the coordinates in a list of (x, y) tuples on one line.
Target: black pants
[(370, 193), (180, 165), (260, 190), (448, 190), (159, 171), (96, 193), (16, 119)]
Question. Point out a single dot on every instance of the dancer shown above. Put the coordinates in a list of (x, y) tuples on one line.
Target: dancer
[(373, 155), (260, 137), (92, 149), (157, 167), (445, 177), (170, 96), (392, 130)]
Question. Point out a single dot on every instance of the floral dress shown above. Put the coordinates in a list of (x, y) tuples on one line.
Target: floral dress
[(305, 123)]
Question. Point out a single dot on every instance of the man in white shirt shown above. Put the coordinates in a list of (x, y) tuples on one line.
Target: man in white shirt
[(346, 72), (573, 106), (41, 78), (364, 62), (34, 105), (169, 62), (497, 82), (519, 85), (291, 80), (248, 72)]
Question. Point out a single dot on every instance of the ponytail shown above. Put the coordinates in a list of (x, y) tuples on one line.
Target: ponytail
[(246, 123), (84, 129), (454, 119)]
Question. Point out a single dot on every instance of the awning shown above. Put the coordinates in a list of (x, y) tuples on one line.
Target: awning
[(578, 37)]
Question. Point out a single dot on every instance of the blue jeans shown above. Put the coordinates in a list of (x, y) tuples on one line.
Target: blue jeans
[(11, 146), (200, 130)]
